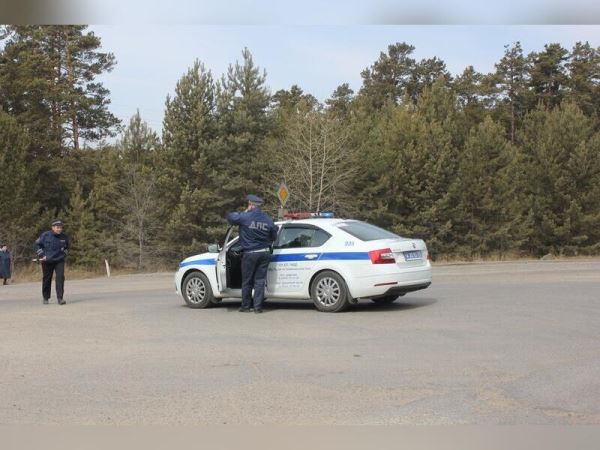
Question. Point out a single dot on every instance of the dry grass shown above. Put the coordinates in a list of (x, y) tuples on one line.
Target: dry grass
[(25, 273)]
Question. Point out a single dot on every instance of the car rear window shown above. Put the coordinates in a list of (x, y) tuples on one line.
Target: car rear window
[(365, 231)]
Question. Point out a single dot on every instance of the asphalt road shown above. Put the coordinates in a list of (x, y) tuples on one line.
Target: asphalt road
[(507, 343)]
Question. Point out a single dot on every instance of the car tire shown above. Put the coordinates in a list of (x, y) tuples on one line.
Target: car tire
[(196, 290), (329, 292)]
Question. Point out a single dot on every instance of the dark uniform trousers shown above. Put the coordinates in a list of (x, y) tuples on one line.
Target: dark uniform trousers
[(48, 268), (254, 275)]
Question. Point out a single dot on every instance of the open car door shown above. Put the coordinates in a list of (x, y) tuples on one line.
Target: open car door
[(228, 277)]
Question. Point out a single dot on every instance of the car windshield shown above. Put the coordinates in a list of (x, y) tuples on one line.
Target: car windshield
[(365, 231)]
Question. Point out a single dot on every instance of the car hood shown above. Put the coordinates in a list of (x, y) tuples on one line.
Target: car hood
[(199, 259)]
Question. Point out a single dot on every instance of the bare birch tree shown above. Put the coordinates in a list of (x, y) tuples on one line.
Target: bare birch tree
[(316, 162), (138, 198)]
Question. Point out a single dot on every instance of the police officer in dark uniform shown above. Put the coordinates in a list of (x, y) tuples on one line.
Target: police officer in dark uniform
[(52, 248), (257, 233), (5, 264)]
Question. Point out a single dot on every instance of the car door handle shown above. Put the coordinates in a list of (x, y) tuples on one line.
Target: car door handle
[(311, 256)]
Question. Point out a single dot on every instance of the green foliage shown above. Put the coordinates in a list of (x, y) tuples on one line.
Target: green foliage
[(83, 232), (484, 198), (562, 167), (395, 75), (584, 78), (19, 213), (548, 74)]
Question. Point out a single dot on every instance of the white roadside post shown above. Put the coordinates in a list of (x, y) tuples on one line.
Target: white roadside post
[(107, 268), (283, 194)]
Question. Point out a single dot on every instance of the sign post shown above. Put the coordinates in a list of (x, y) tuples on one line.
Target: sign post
[(283, 194)]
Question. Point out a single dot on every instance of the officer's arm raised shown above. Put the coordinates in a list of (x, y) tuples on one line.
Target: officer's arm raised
[(234, 218)]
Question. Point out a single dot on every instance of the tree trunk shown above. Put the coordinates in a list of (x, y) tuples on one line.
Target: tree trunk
[(71, 78)]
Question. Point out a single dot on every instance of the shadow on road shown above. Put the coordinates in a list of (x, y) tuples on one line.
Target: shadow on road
[(364, 306)]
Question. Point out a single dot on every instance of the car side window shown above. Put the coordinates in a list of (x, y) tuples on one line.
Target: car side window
[(300, 237), (319, 238)]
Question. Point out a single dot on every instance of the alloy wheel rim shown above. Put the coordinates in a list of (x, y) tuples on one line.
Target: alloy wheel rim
[(328, 291), (195, 290)]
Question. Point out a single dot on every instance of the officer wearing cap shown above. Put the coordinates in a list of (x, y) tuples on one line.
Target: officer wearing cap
[(257, 233), (52, 248)]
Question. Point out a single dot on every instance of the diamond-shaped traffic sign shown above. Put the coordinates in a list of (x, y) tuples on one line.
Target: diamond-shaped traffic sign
[(283, 194)]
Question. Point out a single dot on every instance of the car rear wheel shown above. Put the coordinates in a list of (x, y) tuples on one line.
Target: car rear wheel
[(329, 292), (196, 290)]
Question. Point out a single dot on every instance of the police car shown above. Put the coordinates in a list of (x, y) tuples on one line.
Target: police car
[(334, 262)]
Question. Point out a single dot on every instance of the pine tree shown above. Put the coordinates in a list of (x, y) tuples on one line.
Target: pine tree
[(186, 181), (189, 125), (584, 78), (285, 101), (125, 197), (48, 82), (562, 175), (340, 103), (409, 163), (139, 145), (484, 194), (388, 78), (396, 75), (548, 74), (512, 78), (105, 204), (49, 77), (239, 155), (83, 234), (19, 214), (472, 93)]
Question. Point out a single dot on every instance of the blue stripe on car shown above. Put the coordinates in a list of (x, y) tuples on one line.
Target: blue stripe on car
[(290, 257), (199, 262), (346, 256), (331, 256)]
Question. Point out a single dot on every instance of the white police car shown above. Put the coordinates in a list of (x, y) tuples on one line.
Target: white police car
[(334, 262)]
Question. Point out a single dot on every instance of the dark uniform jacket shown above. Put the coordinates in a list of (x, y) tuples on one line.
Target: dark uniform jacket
[(53, 246), (4, 264), (257, 229)]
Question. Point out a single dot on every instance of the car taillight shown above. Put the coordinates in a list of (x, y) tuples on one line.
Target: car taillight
[(382, 256)]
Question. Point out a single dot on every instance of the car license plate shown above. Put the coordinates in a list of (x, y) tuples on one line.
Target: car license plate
[(413, 255)]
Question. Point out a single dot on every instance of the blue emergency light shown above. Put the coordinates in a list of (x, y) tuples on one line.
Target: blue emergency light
[(326, 214)]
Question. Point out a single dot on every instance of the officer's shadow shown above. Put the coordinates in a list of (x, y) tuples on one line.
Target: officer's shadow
[(402, 304)]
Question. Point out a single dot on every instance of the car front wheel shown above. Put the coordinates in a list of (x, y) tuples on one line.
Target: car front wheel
[(329, 292), (196, 290)]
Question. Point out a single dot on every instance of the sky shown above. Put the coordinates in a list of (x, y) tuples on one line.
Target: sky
[(318, 58)]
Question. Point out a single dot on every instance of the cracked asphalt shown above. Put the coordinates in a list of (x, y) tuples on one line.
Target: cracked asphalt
[(497, 343)]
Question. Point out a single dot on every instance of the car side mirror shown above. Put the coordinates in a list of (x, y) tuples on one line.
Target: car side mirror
[(213, 248)]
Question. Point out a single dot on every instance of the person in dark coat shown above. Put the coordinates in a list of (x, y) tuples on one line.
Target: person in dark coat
[(5, 264), (52, 248), (257, 233)]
